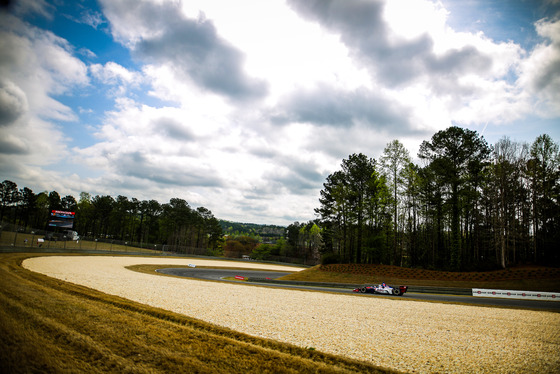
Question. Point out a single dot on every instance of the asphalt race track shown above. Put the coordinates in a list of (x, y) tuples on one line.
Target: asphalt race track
[(220, 274)]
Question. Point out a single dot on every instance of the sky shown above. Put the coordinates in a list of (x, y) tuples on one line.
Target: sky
[(245, 107)]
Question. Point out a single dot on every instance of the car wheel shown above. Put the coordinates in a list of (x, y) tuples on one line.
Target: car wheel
[(396, 291), (363, 290)]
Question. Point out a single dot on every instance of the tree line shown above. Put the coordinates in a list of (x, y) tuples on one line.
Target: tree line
[(466, 206), (175, 224), (297, 243)]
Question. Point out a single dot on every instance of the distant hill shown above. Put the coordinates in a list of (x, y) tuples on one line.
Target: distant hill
[(266, 232)]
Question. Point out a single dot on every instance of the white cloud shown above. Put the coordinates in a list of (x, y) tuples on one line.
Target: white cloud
[(13, 102), (245, 107), (412, 18), (113, 73), (42, 65), (92, 18), (281, 47), (39, 7), (539, 74), (117, 76), (37, 65)]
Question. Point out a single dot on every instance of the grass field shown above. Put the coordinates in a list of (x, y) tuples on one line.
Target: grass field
[(13, 239), (50, 326), (526, 278)]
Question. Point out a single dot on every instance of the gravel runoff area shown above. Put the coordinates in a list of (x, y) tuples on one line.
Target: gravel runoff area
[(410, 336)]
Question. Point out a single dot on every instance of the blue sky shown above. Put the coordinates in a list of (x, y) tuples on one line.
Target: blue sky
[(246, 107)]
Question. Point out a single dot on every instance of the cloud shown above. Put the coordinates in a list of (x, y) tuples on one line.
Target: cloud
[(298, 175), (173, 129), (361, 27), (247, 111), (192, 46), (92, 18), (120, 79), (330, 106), (36, 66), (13, 145), (30, 141), (464, 75), (13, 102), (151, 145), (38, 7), (41, 64), (393, 59), (113, 73), (168, 171), (540, 72)]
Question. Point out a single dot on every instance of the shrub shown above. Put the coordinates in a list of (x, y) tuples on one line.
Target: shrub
[(330, 258), (261, 252)]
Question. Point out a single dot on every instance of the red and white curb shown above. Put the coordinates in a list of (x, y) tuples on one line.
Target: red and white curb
[(529, 295)]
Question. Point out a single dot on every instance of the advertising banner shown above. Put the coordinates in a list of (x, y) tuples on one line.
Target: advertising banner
[(510, 294)]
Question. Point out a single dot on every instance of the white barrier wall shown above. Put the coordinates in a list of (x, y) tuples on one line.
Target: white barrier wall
[(532, 295)]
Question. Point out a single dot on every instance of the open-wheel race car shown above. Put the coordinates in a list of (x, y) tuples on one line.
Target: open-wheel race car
[(383, 289)]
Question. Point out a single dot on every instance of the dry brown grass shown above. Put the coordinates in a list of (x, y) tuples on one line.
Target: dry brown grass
[(51, 326), (523, 278)]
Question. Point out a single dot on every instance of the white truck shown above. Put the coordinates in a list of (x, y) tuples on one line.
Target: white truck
[(71, 235)]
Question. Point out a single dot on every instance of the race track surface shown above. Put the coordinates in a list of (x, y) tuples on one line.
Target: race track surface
[(222, 274)]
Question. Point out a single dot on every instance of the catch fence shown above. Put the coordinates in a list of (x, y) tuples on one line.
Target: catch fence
[(20, 237)]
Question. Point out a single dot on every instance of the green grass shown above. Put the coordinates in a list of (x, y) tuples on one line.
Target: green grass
[(532, 278), (51, 326)]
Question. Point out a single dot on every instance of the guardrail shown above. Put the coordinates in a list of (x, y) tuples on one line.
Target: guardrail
[(513, 294)]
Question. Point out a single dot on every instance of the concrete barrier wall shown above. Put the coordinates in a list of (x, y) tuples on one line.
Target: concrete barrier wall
[(510, 294)]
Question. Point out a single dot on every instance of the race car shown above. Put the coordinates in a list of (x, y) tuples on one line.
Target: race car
[(383, 289)]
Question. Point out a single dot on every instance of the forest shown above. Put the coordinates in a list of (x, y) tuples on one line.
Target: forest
[(174, 224), (466, 205)]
